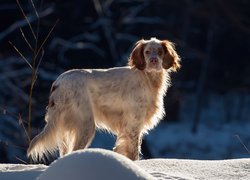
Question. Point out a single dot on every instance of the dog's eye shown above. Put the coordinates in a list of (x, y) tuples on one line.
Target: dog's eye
[(159, 53), (147, 52)]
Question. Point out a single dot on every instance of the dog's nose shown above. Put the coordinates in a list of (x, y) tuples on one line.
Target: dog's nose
[(153, 60)]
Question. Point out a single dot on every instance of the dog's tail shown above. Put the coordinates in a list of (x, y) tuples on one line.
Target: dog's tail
[(43, 144)]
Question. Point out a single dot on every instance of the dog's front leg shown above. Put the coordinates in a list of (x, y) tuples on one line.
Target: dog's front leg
[(128, 144)]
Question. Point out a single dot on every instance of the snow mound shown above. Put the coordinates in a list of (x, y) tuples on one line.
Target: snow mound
[(94, 164)]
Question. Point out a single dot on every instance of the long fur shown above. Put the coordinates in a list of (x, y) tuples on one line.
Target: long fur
[(127, 101)]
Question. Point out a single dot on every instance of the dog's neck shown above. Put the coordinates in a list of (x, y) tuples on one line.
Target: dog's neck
[(158, 80)]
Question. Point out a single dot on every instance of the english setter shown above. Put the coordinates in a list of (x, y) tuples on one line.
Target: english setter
[(127, 101)]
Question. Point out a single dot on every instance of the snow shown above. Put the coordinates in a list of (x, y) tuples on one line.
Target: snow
[(94, 164), (197, 169), (104, 164), (20, 171)]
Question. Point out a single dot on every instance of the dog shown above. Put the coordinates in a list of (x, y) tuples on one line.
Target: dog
[(126, 101)]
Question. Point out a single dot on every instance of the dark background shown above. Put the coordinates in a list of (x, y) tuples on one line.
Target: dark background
[(211, 90)]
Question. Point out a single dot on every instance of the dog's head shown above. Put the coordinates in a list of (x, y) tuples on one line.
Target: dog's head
[(154, 55)]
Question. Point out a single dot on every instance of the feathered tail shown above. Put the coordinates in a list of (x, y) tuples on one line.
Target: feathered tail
[(43, 144)]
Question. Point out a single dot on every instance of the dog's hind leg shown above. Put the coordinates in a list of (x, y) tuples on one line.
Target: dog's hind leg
[(84, 134), (80, 129), (63, 145)]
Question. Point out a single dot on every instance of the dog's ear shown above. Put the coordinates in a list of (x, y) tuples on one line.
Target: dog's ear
[(136, 58), (171, 59)]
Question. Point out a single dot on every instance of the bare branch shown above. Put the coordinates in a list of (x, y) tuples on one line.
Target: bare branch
[(238, 137), (26, 18), (46, 38), (21, 160), (39, 62), (33, 5), (20, 121), (26, 40), (21, 54), (23, 22)]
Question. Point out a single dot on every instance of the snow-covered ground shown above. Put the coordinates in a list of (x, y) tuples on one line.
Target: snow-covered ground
[(20, 171), (237, 169), (103, 164)]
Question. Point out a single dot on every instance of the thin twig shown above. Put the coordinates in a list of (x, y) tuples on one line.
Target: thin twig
[(26, 40), (21, 160), (33, 76), (39, 62), (20, 121), (33, 5), (25, 16), (51, 30), (238, 137), (21, 54)]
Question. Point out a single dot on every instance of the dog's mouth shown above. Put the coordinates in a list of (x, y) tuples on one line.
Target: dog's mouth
[(154, 66), (153, 63)]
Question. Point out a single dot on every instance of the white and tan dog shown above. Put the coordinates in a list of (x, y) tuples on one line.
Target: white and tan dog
[(127, 101)]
